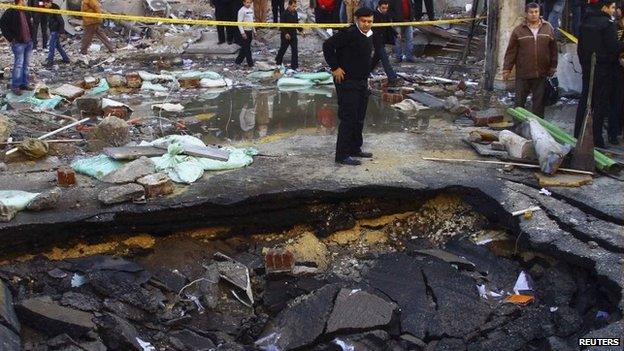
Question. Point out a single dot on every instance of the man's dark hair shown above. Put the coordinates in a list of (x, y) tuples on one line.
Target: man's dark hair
[(290, 2), (531, 5), (363, 12), (383, 2)]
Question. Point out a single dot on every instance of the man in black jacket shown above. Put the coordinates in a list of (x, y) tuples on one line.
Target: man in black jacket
[(288, 36), (221, 14), (17, 28), (348, 54), (598, 36), (57, 27), (381, 37), (39, 20)]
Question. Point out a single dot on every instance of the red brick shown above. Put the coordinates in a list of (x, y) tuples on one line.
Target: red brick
[(66, 177), (279, 261)]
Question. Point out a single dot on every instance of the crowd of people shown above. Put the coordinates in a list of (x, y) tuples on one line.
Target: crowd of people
[(533, 52)]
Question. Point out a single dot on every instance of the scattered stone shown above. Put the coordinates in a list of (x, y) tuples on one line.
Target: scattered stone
[(80, 301), (3, 167), (567, 321), (356, 309), (89, 106), (7, 312), (43, 314), (68, 91), (93, 346), (125, 311), (121, 193), (57, 273), (448, 344), (413, 341), (7, 213), (158, 184), (117, 333), (45, 200), (9, 340), (448, 257), (5, 128), (134, 80), (192, 341), (112, 131), (131, 171), (116, 81), (278, 260), (563, 180), (592, 244), (302, 322)]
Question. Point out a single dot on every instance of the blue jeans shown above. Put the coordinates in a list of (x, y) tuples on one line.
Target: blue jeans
[(22, 53), (407, 34), (55, 44), (554, 10)]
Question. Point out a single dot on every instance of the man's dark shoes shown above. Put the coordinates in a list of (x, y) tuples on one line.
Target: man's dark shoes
[(27, 87), (363, 154), (349, 161)]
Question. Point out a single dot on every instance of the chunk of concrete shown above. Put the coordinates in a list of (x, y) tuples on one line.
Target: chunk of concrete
[(68, 91), (158, 184), (7, 312), (132, 152), (357, 309), (485, 117), (131, 171), (121, 193), (117, 333), (45, 200), (45, 315), (302, 322), (208, 45)]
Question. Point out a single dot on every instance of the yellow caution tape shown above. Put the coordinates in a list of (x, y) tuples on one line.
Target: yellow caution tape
[(569, 36), (200, 22)]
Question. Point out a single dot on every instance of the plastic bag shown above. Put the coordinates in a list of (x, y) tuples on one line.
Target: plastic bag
[(100, 88), (96, 166), (239, 158), (314, 77), (294, 82), (180, 168), (16, 199)]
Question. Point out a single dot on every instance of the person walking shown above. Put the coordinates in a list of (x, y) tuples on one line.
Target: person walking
[(92, 27), (40, 20), (403, 11), (381, 37), (419, 10), (599, 36), (288, 36), (221, 14), (245, 14), (348, 54), (57, 27), (532, 50), (17, 29), (277, 8)]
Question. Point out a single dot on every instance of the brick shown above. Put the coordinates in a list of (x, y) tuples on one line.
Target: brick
[(117, 111), (189, 83), (279, 260), (66, 177), (391, 98)]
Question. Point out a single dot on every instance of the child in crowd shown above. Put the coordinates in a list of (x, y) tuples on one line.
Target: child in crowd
[(245, 14), (57, 27), (288, 36)]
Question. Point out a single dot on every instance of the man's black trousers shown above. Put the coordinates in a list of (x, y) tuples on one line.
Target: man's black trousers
[(40, 20), (604, 102), (294, 61), (245, 50), (352, 103), (277, 7), (419, 7)]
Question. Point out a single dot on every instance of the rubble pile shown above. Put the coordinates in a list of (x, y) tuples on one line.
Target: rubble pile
[(379, 282)]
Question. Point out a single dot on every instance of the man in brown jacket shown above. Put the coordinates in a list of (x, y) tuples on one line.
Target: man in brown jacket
[(533, 51), (92, 27)]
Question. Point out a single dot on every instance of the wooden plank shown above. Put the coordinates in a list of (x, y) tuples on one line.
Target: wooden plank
[(208, 152), (491, 44), (132, 152), (525, 165), (426, 99)]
